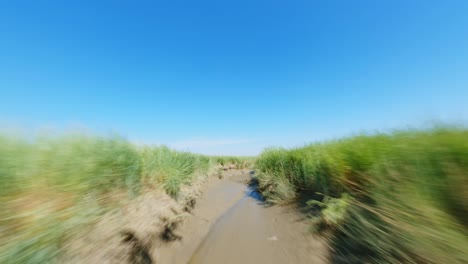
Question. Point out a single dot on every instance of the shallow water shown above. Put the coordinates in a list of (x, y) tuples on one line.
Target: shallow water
[(241, 235), (231, 224)]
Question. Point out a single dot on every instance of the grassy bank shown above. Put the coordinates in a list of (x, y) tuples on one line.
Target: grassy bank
[(234, 161), (385, 198), (51, 188)]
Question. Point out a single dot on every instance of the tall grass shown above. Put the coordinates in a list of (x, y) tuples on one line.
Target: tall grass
[(52, 187), (388, 198), (238, 162), (172, 169)]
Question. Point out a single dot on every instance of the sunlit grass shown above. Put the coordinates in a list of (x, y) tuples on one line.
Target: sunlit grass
[(405, 193), (52, 188), (239, 162)]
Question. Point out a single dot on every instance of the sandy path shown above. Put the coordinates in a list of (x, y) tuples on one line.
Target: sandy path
[(230, 225)]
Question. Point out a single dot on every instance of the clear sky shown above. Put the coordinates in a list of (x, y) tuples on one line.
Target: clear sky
[(231, 77)]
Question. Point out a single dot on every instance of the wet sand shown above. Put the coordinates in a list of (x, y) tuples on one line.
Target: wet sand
[(230, 224)]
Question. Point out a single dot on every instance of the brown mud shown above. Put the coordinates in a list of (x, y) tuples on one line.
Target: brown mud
[(231, 224)]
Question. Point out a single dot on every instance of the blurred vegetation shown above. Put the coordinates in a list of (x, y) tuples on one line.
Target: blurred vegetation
[(51, 187), (400, 197), (234, 161)]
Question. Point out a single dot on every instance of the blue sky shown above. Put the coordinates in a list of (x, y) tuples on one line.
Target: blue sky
[(232, 77)]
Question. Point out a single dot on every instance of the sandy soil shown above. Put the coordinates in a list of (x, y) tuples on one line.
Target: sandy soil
[(231, 225)]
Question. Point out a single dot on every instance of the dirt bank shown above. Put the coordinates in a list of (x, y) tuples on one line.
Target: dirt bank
[(231, 225), (133, 232)]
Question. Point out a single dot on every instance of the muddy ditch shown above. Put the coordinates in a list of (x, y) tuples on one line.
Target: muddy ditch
[(223, 220)]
